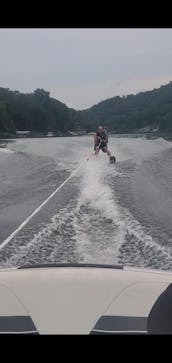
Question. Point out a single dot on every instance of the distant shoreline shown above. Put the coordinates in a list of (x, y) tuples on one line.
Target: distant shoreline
[(4, 141)]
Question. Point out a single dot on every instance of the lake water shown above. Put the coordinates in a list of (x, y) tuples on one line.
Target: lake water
[(106, 213)]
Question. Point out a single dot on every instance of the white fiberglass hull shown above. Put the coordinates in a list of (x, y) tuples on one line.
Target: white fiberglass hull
[(78, 300)]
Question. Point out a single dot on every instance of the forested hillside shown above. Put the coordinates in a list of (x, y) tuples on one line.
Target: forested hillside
[(38, 112), (132, 112)]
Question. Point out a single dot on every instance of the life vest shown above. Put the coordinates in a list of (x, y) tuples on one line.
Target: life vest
[(102, 134)]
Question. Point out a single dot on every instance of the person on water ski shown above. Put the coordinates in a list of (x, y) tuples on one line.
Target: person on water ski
[(101, 140)]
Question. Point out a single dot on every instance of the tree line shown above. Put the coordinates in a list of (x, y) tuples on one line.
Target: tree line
[(35, 112), (38, 112), (151, 109)]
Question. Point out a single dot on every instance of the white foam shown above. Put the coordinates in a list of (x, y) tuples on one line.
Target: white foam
[(6, 151), (99, 243)]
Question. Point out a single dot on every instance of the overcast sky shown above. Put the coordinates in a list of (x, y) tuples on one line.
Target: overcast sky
[(82, 67)]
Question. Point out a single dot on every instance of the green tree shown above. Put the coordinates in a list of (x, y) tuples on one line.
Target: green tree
[(6, 123)]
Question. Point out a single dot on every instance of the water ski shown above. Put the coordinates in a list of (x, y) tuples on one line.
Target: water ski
[(112, 160)]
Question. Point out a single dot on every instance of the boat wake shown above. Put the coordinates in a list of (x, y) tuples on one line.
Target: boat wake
[(92, 228)]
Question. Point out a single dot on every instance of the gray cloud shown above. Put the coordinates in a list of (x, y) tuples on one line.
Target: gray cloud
[(81, 67)]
